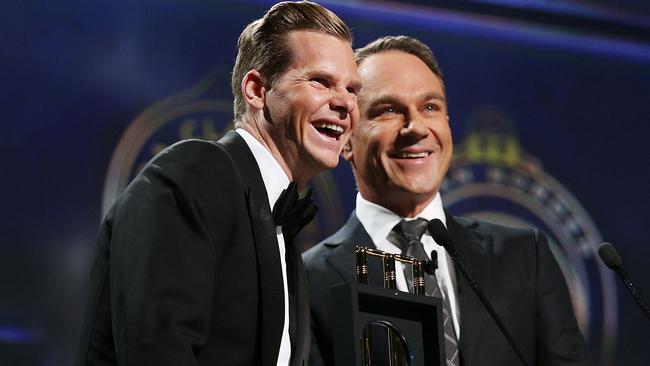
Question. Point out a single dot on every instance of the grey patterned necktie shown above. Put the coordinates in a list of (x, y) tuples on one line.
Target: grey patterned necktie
[(406, 235)]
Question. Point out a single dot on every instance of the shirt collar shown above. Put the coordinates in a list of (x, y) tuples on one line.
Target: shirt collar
[(274, 177), (379, 221)]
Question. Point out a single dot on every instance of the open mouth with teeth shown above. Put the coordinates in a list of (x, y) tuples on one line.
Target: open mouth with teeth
[(410, 155), (330, 130)]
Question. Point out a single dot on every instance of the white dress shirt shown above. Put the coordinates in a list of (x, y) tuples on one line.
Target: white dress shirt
[(275, 181), (379, 221)]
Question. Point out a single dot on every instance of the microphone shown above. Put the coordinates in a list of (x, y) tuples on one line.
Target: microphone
[(430, 266), (612, 259), (440, 234)]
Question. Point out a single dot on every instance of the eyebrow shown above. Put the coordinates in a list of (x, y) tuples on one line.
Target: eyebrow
[(356, 83), (433, 95), (389, 99), (384, 99)]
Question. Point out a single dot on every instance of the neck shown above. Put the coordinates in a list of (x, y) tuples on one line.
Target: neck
[(259, 129)]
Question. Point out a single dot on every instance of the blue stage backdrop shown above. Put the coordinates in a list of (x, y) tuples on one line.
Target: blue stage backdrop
[(551, 129)]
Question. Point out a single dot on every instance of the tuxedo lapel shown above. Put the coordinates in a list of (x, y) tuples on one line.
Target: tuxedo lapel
[(270, 286), (475, 249), (344, 241), (298, 305)]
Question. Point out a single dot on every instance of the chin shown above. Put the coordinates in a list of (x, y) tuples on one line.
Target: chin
[(329, 163), (424, 189), (325, 160)]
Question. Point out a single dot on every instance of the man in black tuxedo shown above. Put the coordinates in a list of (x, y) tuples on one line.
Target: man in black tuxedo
[(191, 267), (400, 151)]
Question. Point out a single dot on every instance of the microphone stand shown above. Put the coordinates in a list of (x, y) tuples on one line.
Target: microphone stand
[(439, 233), (635, 294)]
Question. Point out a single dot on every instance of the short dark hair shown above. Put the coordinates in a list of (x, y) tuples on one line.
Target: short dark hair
[(401, 43), (262, 44)]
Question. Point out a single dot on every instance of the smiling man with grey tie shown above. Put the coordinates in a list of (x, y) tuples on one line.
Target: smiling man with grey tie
[(400, 152)]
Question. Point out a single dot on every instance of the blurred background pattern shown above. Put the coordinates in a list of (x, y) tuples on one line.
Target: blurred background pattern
[(548, 103)]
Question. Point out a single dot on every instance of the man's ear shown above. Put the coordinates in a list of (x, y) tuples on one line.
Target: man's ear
[(252, 86), (347, 151)]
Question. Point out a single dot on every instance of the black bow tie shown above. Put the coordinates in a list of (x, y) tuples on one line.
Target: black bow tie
[(292, 213)]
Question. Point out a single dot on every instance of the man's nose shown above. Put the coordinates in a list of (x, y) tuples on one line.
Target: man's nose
[(343, 102), (414, 127)]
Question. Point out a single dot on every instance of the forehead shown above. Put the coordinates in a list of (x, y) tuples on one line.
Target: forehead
[(398, 74), (310, 49)]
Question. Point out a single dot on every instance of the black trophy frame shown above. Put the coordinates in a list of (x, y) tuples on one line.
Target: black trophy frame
[(418, 318)]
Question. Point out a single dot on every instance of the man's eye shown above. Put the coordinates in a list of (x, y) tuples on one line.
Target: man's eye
[(382, 112), (320, 81), (432, 108)]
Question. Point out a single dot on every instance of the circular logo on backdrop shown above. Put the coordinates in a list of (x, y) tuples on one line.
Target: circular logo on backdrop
[(493, 179), (200, 113)]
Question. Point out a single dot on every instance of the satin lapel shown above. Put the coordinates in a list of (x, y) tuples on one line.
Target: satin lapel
[(475, 249), (269, 275), (299, 306), (344, 243)]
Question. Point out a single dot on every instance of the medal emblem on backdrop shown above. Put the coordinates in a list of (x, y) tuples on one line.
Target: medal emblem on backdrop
[(202, 112), (492, 178)]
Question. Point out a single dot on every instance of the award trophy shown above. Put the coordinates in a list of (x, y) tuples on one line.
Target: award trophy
[(377, 325)]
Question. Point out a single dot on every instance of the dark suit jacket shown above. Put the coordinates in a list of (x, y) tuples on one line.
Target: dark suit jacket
[(188, 268), (516, 271)]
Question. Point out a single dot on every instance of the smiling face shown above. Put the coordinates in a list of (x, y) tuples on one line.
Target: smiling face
[(312, 106), (402, 147)]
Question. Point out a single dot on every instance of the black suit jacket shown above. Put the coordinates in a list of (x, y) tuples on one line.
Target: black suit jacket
[(188, 268), (515, 269)]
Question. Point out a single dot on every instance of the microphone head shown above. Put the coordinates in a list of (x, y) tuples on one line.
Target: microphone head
[(610, 256), (440, 234), (430, 266)]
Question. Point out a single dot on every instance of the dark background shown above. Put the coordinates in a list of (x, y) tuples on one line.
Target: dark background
[(572, 76)]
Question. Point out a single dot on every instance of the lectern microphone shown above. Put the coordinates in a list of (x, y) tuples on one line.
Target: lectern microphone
[(612, 259)]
